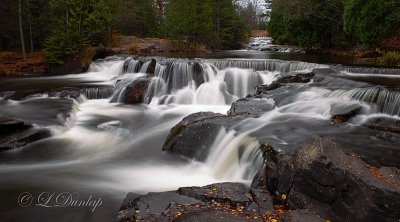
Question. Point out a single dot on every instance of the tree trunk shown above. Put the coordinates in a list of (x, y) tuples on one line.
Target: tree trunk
[(21, 31), (30, 26)]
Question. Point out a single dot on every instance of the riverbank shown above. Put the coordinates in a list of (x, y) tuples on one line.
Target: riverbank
[(12, 64)]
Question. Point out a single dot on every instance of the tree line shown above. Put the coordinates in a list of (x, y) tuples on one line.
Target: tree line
[(334, 23), (70, 28)]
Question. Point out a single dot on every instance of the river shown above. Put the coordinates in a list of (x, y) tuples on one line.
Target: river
[(103, 148)]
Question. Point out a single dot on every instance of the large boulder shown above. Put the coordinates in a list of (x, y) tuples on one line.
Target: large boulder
[(324, 178), (196, 133), (216, 202)]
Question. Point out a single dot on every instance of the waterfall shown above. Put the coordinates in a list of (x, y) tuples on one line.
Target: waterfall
[(264, 65), (236, 157), (367, 70), (202, 82), (133, 66), (98, 93), (387, 101)]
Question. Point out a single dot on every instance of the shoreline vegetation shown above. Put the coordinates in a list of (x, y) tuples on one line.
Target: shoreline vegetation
[(12, 63), (366, 29)]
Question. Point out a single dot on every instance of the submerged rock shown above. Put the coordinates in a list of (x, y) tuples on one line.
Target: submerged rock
[(15, 134), (216, 202), (384, 124), (322, 177)]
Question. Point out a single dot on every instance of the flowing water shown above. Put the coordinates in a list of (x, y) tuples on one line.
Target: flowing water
[(104, 148)]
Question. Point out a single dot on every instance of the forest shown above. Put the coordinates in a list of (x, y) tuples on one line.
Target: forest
[(65, 29), (337, 23)]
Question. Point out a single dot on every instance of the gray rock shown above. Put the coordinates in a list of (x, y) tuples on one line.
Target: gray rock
[(251, 107), (195, 134), (322, 177), (216, 202), (300, 216), (15, 134)]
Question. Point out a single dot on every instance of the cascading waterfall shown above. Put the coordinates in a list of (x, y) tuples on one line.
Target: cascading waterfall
[(202, 82), (366, 70), (386, 101), (237, 157), (264, 65)]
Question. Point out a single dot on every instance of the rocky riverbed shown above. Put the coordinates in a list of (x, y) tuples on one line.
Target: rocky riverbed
[(210, 139)]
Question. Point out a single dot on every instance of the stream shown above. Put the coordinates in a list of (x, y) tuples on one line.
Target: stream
[(102, 147)]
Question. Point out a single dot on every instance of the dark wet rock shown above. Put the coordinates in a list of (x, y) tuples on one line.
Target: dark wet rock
[(322, 177), (230, 193), (135, 91), (152, 67), (326, 71), (252, 107), (282, 81), (297, 78), (101, 52), (15, 134), (41, 111), (384, 124), (216, 202), (198, 74), (6, 94), (342, 113), (70, 66), (300, 216), (195, 134)]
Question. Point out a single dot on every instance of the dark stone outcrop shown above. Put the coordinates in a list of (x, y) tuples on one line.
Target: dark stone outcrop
[(101, 52), (291, 78), (341, 113), (15, 134), (195, 134), (198, 74), (251, 107), (216, 202), (322, 177), (152, 67), (300, 216), (134, 93), (384, 124), (70, 66), (40, 111)]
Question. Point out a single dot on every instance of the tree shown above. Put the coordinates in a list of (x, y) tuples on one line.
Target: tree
[(190, 19), (77, 24), (368, 22), (21, 30), (139, 17)]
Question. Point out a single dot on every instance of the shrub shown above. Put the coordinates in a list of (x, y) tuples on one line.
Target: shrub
[(390, 58)]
